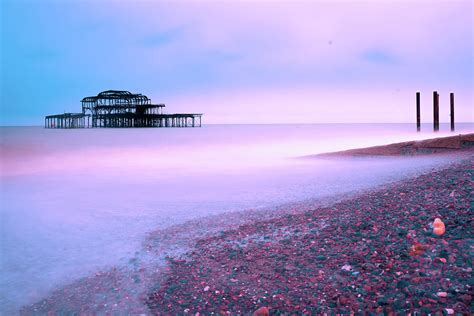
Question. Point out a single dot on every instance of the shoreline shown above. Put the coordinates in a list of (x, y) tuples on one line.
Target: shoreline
[(438, 145), (55, 302), (378, 254)]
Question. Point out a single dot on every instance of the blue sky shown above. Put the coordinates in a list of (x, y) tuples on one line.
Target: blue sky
[(240, 62)]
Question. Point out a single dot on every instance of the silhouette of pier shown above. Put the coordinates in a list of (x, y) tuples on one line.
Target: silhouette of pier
[(121, 109)]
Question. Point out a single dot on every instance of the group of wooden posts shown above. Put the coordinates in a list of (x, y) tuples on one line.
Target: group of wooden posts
[(435, 111)]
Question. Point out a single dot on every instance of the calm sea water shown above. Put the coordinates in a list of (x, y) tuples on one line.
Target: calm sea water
[(74, 201)]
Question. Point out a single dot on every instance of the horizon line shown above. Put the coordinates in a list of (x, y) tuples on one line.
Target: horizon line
[(295, 123)]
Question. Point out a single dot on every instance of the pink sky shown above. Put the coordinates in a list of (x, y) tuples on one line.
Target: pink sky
[(243, 62)]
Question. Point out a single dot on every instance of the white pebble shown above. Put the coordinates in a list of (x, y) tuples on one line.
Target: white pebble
[(442, 294), (346, 267)]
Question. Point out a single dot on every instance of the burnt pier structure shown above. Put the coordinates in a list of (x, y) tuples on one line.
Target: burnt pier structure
[(121, 109)]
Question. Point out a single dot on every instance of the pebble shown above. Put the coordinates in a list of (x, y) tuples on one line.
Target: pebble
[(346, 267), (262, 311)]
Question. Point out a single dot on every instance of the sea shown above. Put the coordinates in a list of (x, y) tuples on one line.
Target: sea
[(76, 201)]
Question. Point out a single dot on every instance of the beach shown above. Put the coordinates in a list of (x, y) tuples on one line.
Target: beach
[(412, 148), (375, 253), (369, 250)]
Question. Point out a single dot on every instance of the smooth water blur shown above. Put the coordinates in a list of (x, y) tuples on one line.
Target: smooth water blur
[(74, 201), (29, 150)]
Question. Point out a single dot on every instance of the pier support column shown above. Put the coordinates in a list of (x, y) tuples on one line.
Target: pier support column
[(435, 111), (451, 104), (418, 117)]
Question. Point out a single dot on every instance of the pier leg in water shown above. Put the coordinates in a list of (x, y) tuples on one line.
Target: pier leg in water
[(451, 102), (418, 119), (435, 111)]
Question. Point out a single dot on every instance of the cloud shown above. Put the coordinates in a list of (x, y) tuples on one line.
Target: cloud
[(378, 56), (157, 39)]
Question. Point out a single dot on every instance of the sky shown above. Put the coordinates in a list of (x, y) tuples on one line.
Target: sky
[(241, 61)]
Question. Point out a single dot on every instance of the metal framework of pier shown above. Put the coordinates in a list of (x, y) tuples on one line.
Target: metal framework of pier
[(114, 108), (67, 120)]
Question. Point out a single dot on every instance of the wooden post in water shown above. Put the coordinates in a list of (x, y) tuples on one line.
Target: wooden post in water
[(451, 103), (435, 111), (418, 118)]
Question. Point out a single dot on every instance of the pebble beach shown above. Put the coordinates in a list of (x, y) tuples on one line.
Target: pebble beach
[(375, 253)]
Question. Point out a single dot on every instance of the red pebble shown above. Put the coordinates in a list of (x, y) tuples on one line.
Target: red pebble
[(262, 311)]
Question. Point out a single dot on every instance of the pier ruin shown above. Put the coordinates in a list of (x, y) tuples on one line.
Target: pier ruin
[(117, 109), (435, 111)]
